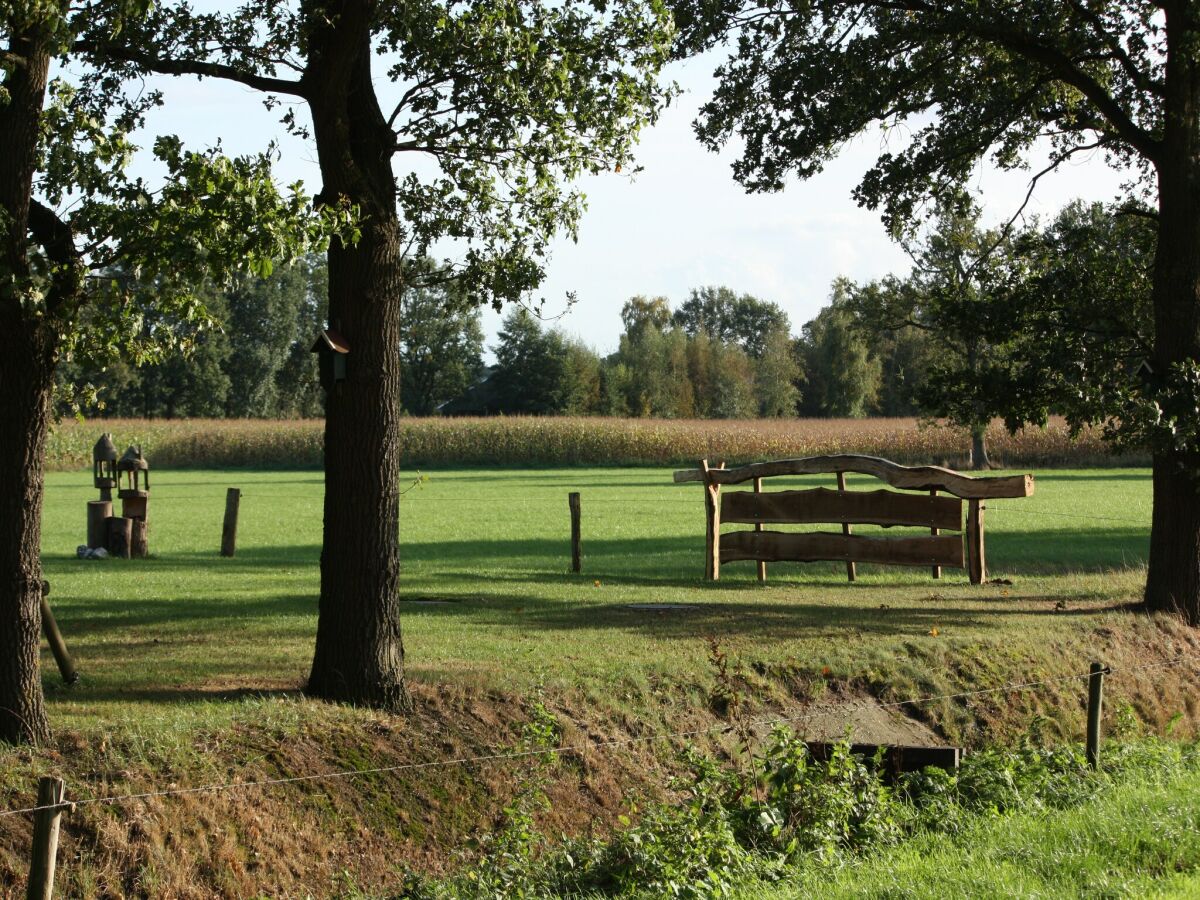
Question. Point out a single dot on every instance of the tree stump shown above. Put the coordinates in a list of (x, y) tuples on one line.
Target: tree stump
[(120, 536), (98, 514), (138, 548)]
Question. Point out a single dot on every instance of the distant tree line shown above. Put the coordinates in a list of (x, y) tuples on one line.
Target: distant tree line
[(1015, 323)]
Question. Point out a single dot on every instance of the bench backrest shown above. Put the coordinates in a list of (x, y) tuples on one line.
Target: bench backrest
[(847, 508)]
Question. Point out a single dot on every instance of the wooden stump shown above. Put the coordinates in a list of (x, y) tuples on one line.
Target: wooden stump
[(976, 560), (138, 546), (233, 499), (120, 536), (576, 548), (98, 514)]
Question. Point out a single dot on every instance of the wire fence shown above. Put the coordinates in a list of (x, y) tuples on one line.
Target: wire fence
[(806, 715)]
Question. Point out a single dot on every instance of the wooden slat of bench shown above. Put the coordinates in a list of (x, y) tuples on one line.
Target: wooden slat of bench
[(778, 546), (821, 505), (910, 478)]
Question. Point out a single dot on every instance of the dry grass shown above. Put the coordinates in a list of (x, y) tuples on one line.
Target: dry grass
[(571, 441)]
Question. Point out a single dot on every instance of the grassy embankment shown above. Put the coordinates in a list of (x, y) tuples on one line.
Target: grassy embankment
[(192, 663)]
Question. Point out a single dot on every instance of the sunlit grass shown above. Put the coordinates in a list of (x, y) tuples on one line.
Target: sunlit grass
[(489, 602)]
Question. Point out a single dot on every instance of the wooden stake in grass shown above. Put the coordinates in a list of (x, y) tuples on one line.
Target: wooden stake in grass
[(576, 549), (1095, 704), (51, 792), (66, 666), (233, 499), (975, 557)]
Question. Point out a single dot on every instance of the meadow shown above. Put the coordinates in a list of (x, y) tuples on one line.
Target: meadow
[(193, 664)]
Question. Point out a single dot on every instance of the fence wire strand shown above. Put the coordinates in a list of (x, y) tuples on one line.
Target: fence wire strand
[(583, 749)]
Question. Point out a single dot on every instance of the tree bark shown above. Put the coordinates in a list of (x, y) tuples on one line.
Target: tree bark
[(27, 348), (359, 654), (979, 455), (1173, 577)]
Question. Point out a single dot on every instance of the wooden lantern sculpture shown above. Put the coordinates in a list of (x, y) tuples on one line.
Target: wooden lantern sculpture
[(127, 533), (104, 477)]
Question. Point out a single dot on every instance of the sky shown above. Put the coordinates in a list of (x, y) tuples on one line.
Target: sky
[(680, 223)]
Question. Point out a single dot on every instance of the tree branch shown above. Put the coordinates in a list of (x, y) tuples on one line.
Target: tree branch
[(16, 60), (266, 83)]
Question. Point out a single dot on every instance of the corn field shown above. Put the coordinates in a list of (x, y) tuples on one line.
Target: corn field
[(567, 441)]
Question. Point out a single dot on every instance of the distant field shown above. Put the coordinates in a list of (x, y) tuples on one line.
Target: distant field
[(566, 441)]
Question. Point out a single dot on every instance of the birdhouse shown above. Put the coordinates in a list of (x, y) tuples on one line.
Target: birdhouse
[(331, 349), (104, 466), (133, 475)]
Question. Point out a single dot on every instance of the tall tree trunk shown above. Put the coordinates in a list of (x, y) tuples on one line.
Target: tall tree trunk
[(979, 455), (26, 376), (26, 371), (359, 654), (1173, 579)]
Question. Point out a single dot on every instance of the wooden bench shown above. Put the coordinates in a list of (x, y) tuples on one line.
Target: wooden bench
[(937, 507)]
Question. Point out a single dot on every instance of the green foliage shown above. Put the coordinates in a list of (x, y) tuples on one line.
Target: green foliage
[(957, 296), (841, 378), (731, 318), (970, 80), (508, 103), (442, 341), (793, 814)]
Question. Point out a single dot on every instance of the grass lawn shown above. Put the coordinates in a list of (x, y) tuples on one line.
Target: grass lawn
[(490, 603), (192, 664), (1135, 840)]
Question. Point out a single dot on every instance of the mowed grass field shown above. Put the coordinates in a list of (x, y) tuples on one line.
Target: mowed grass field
[(489, 602), (193, 665)]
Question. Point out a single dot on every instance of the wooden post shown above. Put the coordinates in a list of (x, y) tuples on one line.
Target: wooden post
[(762, 566), (66, 666), (138, 544), (851, 569), (712, 534), (51, 792), (975, 556), (120, 536), (1095, 703), (98, 512), (233, 498), (576, 550), (935, 531)]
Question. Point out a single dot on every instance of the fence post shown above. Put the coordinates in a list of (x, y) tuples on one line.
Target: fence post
[(851, 569), (762, 566), (977, 562), (576, 549), (51, 792), (233, 498), (1095, 702)]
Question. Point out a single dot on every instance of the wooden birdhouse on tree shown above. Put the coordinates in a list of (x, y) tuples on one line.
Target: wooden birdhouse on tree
[(332, 350), (133, 474), (104, 466)]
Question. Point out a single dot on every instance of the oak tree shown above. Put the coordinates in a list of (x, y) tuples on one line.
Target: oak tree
[(71, 214), (957, 81), (437, 119)]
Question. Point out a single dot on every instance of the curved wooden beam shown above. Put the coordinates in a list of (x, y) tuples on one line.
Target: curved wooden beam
[(909, 478)]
